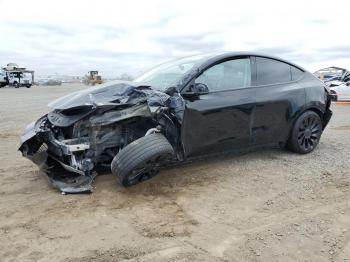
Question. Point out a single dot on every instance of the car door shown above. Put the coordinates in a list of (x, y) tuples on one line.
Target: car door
[(221, 118), (278, 98)]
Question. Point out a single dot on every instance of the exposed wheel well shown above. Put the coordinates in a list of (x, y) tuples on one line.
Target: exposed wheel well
[(316, 110)]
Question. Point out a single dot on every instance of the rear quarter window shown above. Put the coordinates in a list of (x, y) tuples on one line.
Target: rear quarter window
[(270, 71), (296, 73)]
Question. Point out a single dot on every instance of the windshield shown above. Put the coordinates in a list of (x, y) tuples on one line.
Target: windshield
[(169, 74)]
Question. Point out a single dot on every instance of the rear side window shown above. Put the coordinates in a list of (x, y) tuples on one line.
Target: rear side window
[(296, 73), (270, 71)]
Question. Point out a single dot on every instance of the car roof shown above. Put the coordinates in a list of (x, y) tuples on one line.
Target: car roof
[(217, 56)]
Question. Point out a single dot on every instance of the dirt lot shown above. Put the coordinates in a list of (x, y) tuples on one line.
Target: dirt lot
[(270, 205)]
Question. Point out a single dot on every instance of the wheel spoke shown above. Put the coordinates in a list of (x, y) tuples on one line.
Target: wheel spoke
[(315, 126), (314, 131), (302, 141), (305, 123), (136, 174), (312, 121), (311, 142), (313, 137), (300, 135)]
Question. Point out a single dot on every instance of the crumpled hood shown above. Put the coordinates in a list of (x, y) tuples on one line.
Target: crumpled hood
[(117, 92)]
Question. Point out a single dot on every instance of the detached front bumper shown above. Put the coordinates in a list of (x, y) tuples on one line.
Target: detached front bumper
[(37, 146)]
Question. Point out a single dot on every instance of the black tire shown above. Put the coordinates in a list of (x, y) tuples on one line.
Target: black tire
[(306, 133), (28, 86), (16, 84), (140, 160)]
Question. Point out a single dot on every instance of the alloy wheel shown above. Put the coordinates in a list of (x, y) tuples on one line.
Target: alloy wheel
[(309, 132)]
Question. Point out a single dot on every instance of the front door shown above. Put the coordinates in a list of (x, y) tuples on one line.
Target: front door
[(221, 119)]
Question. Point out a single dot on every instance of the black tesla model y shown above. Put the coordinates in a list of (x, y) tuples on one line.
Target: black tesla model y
[(185, 108)]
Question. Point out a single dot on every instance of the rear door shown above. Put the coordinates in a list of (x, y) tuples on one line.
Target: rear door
[(278, 98), (222, 118)]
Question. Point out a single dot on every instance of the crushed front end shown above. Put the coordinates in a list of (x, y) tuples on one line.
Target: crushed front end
[(69, 152), (60, 158), (73, 140)]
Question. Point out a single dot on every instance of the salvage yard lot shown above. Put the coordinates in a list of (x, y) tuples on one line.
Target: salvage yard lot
[(269, 205)]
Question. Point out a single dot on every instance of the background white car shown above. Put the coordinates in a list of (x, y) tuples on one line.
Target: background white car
[(341, 92)]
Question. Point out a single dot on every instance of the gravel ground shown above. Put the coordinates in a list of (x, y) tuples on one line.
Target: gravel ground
[(269, 205)]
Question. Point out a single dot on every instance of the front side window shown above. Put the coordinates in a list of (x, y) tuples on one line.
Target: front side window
[(232, 74), (270, 71)]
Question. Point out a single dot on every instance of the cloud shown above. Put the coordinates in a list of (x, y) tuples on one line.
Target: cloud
[(72, 37), (190, 43)]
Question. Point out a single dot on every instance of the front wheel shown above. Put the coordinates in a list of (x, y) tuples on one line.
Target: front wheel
[(140, 160), (306, 133), (16, 84)]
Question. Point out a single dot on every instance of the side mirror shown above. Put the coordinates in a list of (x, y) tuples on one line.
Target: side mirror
[(199, 88), (195, 90)]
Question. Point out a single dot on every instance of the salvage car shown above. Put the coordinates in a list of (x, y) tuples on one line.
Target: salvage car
[(333, 76), (330, 73), (179, 110)]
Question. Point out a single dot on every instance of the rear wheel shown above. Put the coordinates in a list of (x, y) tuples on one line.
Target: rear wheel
[(16, 84), (140, 160), (28, 86), (306, 133)]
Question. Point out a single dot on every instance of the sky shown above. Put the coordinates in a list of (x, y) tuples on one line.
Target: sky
[(115, 37)]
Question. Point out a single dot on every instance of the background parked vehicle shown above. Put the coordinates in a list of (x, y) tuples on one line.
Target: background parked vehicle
[(341, 92), (18, 76), (12, 66), (3, 79), (333, 76), (18, 79), (92, 78), (330, 73), (50, 82)]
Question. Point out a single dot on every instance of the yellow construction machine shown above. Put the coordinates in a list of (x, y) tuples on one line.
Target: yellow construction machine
[(92, 78)]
